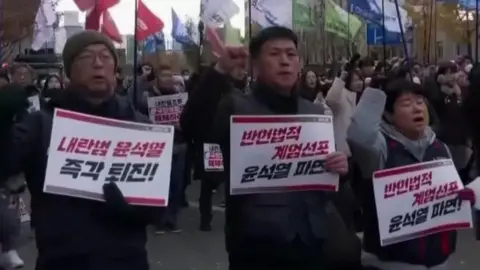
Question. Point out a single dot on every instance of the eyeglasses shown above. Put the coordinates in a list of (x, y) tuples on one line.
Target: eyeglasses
[(91, 58)]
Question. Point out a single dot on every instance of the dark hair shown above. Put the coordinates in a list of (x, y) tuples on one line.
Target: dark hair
[(16, 66), (270, 33), (366, 62), (349, 78), (49, 77), (399, 87), (446, 67)]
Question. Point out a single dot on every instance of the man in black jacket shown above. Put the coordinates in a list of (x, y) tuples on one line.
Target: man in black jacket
[(74, 233), (283, 230), (197, 122)]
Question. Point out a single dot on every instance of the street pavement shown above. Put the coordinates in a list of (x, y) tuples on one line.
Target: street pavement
[(196, 250)]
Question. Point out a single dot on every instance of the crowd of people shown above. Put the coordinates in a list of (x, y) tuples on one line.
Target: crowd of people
[(386, 114)]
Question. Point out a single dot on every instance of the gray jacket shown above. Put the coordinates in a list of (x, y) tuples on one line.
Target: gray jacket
[(366, 132)]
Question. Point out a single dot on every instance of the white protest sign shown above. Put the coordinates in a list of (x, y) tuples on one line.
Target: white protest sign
[(88, 151), (280, 153), (34, 104), (166, 109), (212, 157), (418, 200), (23, 211)]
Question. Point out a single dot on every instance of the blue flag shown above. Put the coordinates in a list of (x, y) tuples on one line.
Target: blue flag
[(179, 30), (154, 43)]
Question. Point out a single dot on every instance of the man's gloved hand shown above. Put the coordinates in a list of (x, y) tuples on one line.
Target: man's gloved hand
[(114, 199), (467, 194)]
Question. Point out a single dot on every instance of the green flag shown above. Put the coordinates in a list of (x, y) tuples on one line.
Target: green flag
[(339, 21), (232, 35), (303, 14)]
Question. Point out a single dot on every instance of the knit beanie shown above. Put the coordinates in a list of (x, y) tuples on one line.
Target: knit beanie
[(78, 42)]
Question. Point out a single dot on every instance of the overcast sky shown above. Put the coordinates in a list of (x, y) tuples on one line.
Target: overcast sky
[(123, 13)]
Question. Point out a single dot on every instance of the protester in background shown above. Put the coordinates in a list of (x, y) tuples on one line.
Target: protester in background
[(22, 74), (308, 88), (271, 231), (197, 124), (13, 102), (165, 86), (145, 84), (366, 66), (52, 87), (185, 75), (389, 130), (74, 233), (4, 79), (120, 89), (179, 83)]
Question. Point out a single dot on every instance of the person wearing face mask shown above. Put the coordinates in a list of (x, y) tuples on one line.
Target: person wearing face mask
[(52, 87)]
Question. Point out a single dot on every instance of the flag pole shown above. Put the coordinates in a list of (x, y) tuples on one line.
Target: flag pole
[(250, 64), (384, 34), (135, 56), (402, 33), (476, 31)]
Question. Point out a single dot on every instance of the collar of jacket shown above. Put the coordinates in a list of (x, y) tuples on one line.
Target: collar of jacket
[(72, 99), (276, 102)]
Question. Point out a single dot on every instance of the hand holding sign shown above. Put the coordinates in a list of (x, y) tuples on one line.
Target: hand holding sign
[(337, 163), (467, 194), (232, 56)]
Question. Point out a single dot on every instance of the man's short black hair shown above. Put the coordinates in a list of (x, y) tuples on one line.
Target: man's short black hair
[(270, 33), (397, 88)]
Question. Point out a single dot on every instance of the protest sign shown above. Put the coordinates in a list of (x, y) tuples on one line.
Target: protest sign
[(88, 151), (280, 153), (166, 109), (418, 200), (23, 211), (213, 159), (34, 104)]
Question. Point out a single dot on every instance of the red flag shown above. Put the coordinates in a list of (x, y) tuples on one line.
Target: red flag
[(147, 22), (110, 29), (99, 18), (84, 5), (215, 41)]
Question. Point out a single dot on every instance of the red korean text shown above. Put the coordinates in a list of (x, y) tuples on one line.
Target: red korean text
[(435, 193), (85, 146), (142, 149), (300, 150), (270, 135), (408, 184)]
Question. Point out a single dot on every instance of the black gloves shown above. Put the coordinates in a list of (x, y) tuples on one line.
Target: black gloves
[(118, 208), (114, 200)]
